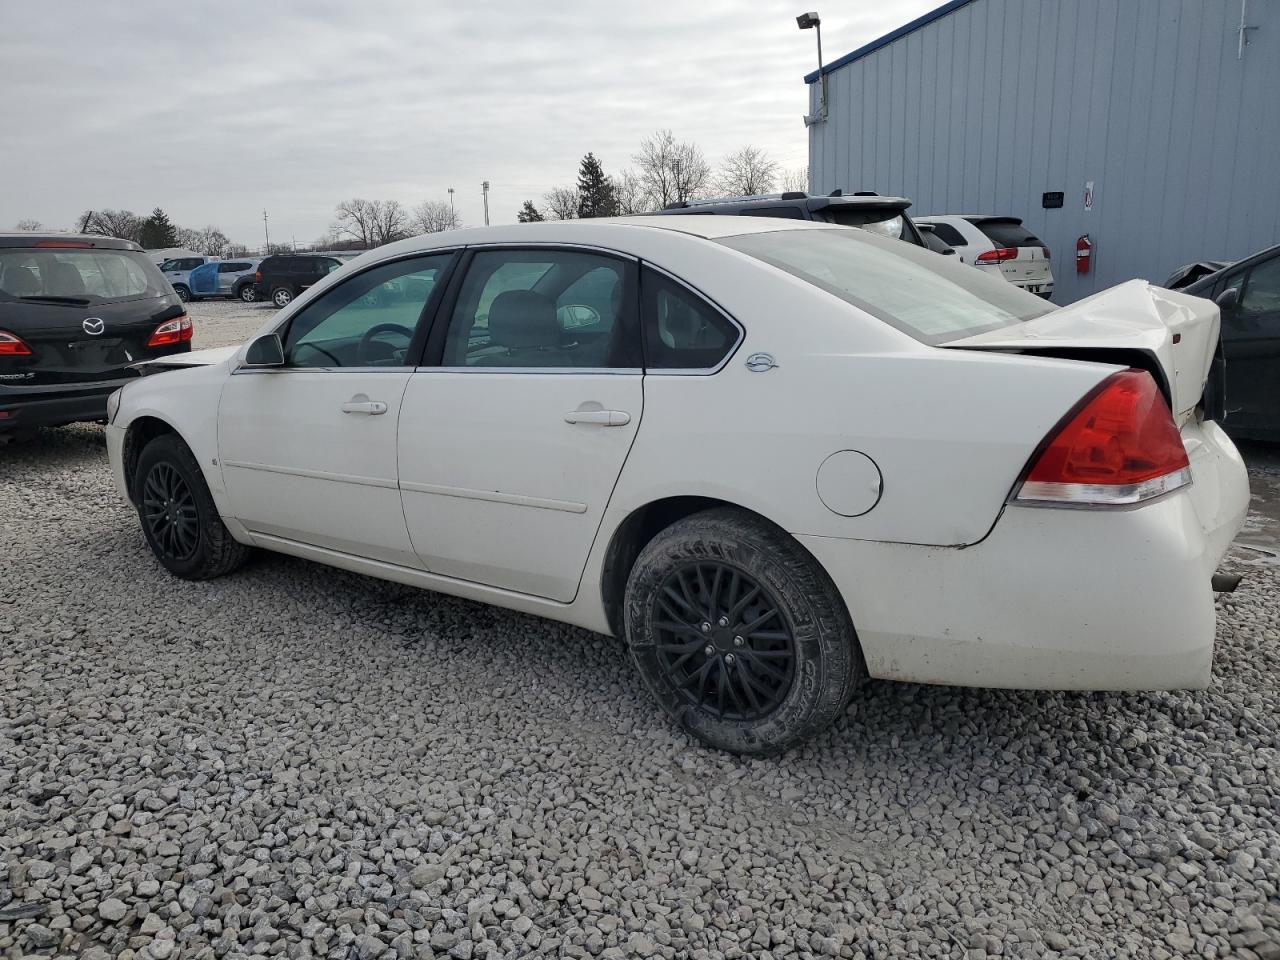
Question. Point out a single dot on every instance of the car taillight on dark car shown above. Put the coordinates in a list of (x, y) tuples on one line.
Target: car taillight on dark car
[(177, 330), (12, 345), (1120, 445), (257, 276)]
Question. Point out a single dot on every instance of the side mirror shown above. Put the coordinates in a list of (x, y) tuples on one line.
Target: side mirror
[(1228, 299), (266, 351)]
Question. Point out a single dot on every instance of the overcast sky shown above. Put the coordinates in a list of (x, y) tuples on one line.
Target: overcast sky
[(215, 111)]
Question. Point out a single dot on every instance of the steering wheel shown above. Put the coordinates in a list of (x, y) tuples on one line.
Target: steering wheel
[(362, 352)]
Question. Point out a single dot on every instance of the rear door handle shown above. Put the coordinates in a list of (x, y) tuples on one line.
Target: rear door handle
[(372, 408), (605, 418)]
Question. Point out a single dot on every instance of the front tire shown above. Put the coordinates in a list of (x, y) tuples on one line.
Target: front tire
[(739, 634), (179, 518), (282, 296)]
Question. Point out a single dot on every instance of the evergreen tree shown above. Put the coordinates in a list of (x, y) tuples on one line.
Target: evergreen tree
[(529, 213), (157, 231), (595, 191)]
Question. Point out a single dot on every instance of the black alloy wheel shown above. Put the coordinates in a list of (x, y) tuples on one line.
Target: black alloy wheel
[(169, 511), (723, 641)]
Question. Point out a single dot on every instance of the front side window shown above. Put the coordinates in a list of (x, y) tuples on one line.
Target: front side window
[(1261, 295), (929, 298), (682, 331), (367, 321), (543, 308)]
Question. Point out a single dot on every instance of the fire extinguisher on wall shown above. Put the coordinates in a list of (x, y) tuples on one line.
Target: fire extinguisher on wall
[(1084, 254)]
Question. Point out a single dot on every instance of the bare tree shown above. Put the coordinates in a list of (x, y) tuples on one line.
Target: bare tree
[(562, 203), (434, 216), (390, 221), (671, 171), (629, 193), (29, 226), (210, 241), (356, 220), (124, 224), (796, 178), (746, 172), (237, 250)]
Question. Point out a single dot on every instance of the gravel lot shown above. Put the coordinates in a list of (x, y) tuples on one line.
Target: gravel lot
[(296, 761)]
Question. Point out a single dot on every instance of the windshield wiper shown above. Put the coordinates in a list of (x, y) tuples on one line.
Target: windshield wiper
[(74, 301)]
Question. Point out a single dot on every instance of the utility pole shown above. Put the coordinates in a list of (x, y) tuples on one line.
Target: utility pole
[(452, 215), (484, 187), (266, 233), (679, 187)]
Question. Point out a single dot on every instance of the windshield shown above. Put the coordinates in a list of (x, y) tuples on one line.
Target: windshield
[(89, 275), (908, 287)]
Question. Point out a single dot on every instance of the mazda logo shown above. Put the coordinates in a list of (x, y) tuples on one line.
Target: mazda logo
[(93, 326)]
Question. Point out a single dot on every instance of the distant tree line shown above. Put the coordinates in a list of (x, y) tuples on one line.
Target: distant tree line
[(665, 171)]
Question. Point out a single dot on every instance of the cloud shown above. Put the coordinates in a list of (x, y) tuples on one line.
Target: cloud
[(217, 112)]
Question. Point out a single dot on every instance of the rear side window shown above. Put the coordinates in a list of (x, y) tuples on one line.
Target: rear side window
[(91, 276), (232, 267), (1005, 234), (1262, 290), (949, 234), (682, 331)]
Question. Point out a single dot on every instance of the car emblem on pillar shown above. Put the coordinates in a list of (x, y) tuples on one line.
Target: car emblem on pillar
[(93, 326), (760, 362)]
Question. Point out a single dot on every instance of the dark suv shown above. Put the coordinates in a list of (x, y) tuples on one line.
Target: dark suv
[(886, 216), (76, 313), (281, 278)]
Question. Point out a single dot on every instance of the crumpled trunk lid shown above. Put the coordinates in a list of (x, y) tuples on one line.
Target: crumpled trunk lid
[(1177, 332)]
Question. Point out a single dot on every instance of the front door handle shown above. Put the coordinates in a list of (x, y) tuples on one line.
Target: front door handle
[(372, 408), (605, 418)]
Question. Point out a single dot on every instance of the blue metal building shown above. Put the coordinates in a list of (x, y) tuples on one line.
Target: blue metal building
[(1166, 112)]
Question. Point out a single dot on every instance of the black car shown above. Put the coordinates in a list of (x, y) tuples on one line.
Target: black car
[(281, 278), (76, 312), (1248, 293), (886, 216)]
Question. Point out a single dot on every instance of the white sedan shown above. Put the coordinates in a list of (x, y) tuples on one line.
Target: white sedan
[(776, 456)]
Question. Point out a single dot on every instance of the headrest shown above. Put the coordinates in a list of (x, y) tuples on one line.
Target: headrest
[(523, 320)]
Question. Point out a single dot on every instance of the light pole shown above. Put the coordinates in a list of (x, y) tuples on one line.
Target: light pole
[(266, 233), (452, 215), (484, 188), (811, 21)]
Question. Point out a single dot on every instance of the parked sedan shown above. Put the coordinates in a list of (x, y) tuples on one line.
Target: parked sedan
[(1248, 293), (75, 314), (776, 456)]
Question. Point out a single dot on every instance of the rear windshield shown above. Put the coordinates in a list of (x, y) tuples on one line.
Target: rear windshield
[(87, 276), (885, 223), (910, 288), (1004, 234)]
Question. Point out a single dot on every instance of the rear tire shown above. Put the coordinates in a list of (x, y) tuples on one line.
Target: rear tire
[(247, 293), (282, 296), (739, 634), (183, 292), (179, 518)]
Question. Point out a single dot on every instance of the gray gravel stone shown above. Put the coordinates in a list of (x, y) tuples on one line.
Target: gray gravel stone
[(296, 761)]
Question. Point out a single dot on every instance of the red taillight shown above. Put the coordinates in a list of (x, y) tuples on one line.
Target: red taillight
[(11, 345), (998, 255), (173, 331), (257, 276), (1120, 446), (1045, 251)]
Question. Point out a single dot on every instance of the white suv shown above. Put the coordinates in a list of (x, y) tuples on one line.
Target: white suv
[(998, 245)]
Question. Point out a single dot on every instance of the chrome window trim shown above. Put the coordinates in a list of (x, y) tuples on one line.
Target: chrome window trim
[(285, 369), (596, 371)]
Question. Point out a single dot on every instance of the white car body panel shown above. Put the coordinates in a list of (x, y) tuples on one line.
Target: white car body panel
[(498, 488), (490, 477), (295, 465), (1031, 269)]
